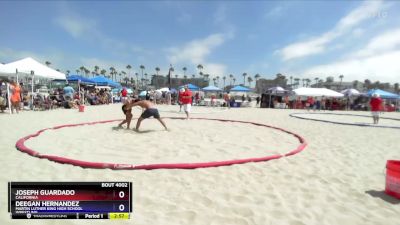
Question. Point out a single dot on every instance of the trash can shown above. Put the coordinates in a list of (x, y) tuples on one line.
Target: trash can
[(393, 178), (81, 108)]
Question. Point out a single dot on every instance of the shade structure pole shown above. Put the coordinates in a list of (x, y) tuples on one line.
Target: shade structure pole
[(112, 97), (33, 77), (16, 73), (9, 98), (79, 91), (269, 103)]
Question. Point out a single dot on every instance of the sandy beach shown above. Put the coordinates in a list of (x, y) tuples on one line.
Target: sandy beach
[(338, 179)]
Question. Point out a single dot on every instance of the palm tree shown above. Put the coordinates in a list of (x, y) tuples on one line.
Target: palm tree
[(184, 71), (231, 77), (193, 76), (215, 81), (341, 78), (96, 69), (297, 81), (244, 78), (47, 63), (126, 79), (291, 81), (249, 79), (68, 72), (142, 68), (320, 82), (82, 69), (145, 75), (257, 76), (103, 72), (224, 78), (137, 80), (123, 73), (129, 67), (87, 72), (308, 81), (115, 74), (112, 69), (217, 78), (234, 80), (176, 76), (200, 67), (201, 75), (157, 70), (171, 69), (316, 80), (77, 71)]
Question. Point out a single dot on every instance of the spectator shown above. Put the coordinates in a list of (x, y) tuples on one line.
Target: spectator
[(187, 101), (68, 92), (124, 95), (376, 106)]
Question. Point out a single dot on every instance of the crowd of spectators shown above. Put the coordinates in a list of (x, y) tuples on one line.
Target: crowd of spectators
[(44, 99)]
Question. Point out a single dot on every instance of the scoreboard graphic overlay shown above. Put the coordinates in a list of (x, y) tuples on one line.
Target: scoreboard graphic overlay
[(70, 200)]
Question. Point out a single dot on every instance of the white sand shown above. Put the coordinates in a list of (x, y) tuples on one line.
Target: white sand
[(333, 181)]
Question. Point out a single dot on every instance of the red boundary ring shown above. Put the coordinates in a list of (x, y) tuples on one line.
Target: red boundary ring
[(297, 115), (20, 145)]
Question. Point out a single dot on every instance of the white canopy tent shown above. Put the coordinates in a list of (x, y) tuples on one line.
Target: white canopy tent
[(29, 66), (316, 92)]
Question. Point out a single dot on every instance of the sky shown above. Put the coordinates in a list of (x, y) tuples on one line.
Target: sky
[(303, 39)]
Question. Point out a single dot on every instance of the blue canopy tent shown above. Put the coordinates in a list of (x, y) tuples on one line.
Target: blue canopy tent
[(240, 89), (191, 87), (211, 88), (101, 80), (382, 94), (77, 78)]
